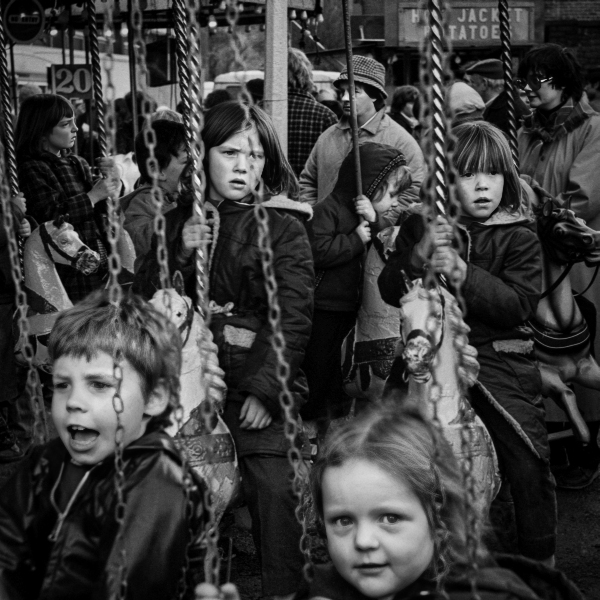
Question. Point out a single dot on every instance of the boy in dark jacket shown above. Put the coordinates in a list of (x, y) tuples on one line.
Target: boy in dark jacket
[(60, 537), (338, 239)]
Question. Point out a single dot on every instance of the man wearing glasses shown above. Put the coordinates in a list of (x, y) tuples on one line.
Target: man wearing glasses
[(559, 146)]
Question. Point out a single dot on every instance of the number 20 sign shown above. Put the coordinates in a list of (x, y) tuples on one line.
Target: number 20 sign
[(71, 80)]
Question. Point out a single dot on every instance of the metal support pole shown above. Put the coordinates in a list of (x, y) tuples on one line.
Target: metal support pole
[(276, 85), (132, 69)]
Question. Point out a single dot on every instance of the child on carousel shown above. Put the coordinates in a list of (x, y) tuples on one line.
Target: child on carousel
[(57, 182), (242, 155), (498, 270), (63, 530)]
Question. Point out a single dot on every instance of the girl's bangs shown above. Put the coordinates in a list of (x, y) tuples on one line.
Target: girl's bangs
[(479, 152)]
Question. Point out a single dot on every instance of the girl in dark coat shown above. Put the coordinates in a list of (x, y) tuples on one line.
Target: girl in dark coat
[(241, 151), (499, 273), (55, 181)]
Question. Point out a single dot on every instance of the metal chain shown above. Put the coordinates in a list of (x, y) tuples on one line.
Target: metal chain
[(509, 85), (286, 400), (10, 187), (96, 71)]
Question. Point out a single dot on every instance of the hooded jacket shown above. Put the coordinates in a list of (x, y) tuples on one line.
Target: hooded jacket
[(337, 249), (507, 578), (84, 560), (239, 321), (504, 274)]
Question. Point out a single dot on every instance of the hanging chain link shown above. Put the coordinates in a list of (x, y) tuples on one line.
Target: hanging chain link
[(10, 187)]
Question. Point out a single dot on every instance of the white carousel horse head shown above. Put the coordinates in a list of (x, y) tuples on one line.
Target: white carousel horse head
[(435, 349), (51, 243), (209, 445)]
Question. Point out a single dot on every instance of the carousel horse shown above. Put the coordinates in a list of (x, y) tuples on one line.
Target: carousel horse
[(56, 242), (434, 350), (210, 446), (561, 335)]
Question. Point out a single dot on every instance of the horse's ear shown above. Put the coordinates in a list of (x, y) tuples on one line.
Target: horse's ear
[(178, 283), (58, 222), (408, 284)]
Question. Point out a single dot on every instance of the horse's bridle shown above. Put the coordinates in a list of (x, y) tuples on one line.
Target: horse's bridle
[(48, 243), (420, 333)]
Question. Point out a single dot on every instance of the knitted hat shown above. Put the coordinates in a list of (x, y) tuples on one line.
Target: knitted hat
[(366, 70), (490, 68)]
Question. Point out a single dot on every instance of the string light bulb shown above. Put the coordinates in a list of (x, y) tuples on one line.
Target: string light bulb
[(212, 22), (53, 31), (320, 18), (223, 5), (303, 15), (240, 7), (124, 31), (293, 14)]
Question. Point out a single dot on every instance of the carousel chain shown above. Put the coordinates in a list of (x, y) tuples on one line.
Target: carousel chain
[(97, 72), (190, 72), (34, 389), (509, 85), (115, 292)]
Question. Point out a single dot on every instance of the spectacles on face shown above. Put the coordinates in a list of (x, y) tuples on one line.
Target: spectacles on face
[(533, 81)]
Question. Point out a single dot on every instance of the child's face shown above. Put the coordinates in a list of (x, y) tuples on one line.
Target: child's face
[(169, 176), (480, 193), (389, 202), (377, 531), (82, 406), (235, 167), (62, 136)]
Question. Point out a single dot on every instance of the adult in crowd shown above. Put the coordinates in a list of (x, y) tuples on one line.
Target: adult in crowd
[(307, 118), (559, 146), (592, 88), (328, 97), (463, 103), (402, 109), (320, 174), (216, 97), (486, 77)]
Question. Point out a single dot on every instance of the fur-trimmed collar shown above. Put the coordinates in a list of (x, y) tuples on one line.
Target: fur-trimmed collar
[(502, 217), (285, 203)]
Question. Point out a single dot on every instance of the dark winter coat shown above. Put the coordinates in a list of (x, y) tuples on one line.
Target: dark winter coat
[(243, 334), (512, 578), (337, 249), (54, 185), (496, 111), (504, 275), (83, 562)]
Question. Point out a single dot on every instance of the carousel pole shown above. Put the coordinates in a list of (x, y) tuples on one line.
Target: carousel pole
[(508, 78), (182, 49), (96, 75), (352, 93)]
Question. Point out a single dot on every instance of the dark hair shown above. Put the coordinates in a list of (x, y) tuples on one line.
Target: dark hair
[(409, 448), (482, 148), (229, 118), (170, 137), (216, 97), (373, 93), (552, 60), (402, 96), (143, 336), (38, 116)]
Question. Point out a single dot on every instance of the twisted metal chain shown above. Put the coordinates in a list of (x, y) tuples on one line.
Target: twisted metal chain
[(439, 193), (97, 71), (508, 78), (9, 187)]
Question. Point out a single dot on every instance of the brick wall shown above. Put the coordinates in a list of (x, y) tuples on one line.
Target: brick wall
[(582, 10)]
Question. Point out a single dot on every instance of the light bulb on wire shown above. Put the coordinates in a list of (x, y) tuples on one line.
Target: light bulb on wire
[(212, 22)]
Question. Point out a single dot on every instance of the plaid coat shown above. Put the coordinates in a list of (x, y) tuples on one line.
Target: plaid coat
[(55, 185), (307, 120)]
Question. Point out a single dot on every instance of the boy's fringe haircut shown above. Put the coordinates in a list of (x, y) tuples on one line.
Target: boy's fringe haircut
[(135, 330), (408, 447), (482, 148)]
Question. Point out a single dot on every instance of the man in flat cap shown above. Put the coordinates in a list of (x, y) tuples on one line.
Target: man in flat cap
[(320, 173), (487, 78)]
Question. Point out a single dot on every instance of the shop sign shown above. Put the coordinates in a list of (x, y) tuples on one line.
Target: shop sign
[(24, 21), (469, 24), (71, 81)]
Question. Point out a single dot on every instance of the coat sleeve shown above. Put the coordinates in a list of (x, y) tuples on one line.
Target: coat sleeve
[(44, 196), (390, 281), (154, 535), (139, 223), (309, 178), (583, 185), (509, 299), (294, 273), (330, 247), (15, 554)]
